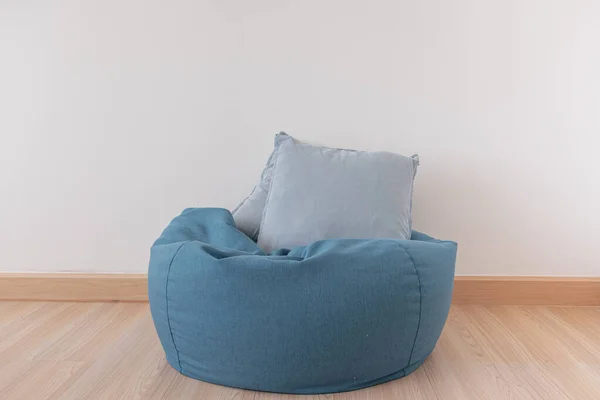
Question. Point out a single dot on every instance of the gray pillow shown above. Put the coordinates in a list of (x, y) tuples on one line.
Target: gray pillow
[(248, 214), (320, 193)]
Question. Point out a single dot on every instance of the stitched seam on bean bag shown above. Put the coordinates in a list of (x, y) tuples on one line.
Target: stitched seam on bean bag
[(420, 302), (167, 303)]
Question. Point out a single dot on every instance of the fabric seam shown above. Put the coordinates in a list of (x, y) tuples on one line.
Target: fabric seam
[(167, 303), (270, 191), (420, 302), (415, 158), (262, 176)]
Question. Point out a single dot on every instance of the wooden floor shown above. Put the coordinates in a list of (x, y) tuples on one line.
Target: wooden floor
[(111, 351)]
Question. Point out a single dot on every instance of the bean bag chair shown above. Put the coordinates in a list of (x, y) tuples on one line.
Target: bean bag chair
[(333, 316)]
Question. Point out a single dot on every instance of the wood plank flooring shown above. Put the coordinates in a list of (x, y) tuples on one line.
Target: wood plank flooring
[(111, 351)]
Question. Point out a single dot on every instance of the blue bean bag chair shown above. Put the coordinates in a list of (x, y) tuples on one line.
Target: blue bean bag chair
[(333, 316)]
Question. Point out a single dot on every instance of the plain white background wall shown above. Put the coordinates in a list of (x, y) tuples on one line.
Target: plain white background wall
[(116, 115)]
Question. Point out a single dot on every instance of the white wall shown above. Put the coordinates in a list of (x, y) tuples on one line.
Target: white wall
[(117, 114)]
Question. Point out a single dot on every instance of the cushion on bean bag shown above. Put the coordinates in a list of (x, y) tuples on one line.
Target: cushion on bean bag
[(319, 193)]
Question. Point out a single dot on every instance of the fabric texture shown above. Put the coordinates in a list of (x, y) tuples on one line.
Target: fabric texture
[(248, 213), (333, 316), (318, 193)]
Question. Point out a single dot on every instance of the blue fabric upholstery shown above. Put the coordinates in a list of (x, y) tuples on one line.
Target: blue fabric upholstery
[(333, 316)]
